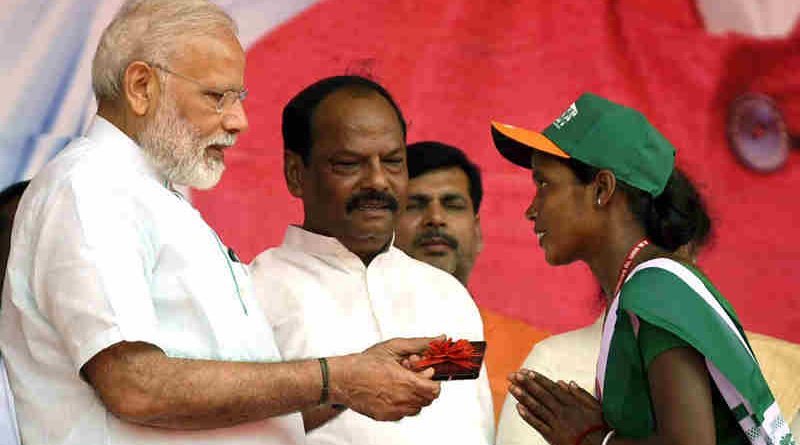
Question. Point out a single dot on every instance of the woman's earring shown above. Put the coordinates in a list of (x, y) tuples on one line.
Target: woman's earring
[(598, 201)]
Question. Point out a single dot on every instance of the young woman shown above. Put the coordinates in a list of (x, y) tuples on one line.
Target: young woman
[(674, 366)]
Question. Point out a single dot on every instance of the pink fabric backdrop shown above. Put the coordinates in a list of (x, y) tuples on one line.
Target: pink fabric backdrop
[(455, 65)]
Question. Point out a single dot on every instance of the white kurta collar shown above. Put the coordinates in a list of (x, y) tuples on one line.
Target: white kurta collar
[(127, 151), (326, 247)]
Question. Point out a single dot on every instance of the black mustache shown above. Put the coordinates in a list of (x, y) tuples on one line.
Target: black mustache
[(359, 199), (434, 233)]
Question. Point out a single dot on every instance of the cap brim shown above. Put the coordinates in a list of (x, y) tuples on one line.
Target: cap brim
[(517, 144)]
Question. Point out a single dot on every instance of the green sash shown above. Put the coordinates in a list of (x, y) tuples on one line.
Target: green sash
[(682, 301)]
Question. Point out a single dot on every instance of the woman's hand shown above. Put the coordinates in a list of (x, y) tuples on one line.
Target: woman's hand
[(560, 412)]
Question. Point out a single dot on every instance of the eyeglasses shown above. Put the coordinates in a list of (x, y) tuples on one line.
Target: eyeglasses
[(225, 100)]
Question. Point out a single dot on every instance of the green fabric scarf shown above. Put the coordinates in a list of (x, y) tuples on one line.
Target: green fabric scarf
[(682, 301)]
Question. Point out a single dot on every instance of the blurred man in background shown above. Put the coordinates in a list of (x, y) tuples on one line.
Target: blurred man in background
[(9, 200), (441, 226)]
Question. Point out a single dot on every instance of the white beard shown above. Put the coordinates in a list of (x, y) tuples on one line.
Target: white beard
[(175, 149)]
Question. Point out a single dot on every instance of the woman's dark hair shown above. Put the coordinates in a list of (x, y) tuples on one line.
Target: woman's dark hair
[(672, 219)]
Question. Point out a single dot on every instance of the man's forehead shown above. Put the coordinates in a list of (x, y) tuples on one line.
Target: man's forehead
[(217, 54), (339, 120), (354, 110), (447, 180)]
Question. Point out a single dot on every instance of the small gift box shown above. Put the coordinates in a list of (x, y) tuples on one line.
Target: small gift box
[(453, 360)]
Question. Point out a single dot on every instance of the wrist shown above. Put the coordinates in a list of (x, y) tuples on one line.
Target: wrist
[(338, 371), (592, 435), (595, 437)]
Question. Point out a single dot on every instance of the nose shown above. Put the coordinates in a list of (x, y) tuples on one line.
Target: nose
[(234, 119), (375, 177), (434, 215), (531, 213)]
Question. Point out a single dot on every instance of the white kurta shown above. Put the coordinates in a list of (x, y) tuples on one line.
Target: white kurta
[(103, 252), (568, 356), (321, 300)]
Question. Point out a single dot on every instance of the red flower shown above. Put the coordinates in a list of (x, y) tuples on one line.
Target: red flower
[(459, 352)]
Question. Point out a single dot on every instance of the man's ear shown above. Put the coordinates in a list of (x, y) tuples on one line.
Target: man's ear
[(140, 88), (293, 169), (478, 235), (605, 186)]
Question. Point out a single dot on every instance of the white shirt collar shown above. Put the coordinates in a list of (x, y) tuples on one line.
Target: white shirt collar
[(126, 149), (300, 239)]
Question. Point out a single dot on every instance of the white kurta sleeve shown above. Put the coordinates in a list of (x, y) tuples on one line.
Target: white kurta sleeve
[(511, 428), (91, 269)]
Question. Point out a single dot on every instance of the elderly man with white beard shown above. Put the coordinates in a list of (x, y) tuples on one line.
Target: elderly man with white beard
[(125, 319)]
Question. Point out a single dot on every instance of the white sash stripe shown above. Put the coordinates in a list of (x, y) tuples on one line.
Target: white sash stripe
[(605, 343), (726, 388)]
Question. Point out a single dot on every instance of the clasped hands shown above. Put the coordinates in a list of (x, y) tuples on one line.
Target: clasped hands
[(561, 412)]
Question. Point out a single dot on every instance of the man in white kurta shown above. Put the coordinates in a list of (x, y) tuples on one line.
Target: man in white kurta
[(96, 232), (322, 300), (125, 318), (337, 284)]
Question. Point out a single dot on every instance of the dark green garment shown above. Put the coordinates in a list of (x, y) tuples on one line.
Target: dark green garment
[(684, 309), (652, 342)]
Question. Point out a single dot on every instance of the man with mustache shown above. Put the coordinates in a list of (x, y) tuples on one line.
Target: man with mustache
[(441, 226), (337, 283), (125, 319)]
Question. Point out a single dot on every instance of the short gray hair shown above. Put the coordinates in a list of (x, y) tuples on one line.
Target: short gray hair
[(152, 31)]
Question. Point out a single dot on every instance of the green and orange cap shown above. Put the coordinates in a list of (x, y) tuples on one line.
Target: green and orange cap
[(600, 133)]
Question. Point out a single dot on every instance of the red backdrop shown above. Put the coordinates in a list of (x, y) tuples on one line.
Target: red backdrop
[(454, 65)]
